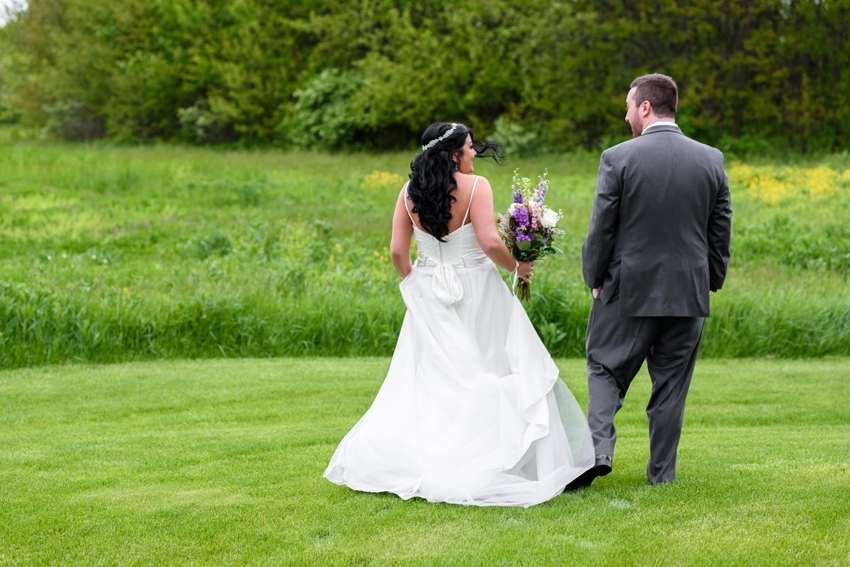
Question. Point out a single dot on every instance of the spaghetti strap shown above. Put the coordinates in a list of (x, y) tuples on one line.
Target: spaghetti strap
[(469, 206), (406, 208)]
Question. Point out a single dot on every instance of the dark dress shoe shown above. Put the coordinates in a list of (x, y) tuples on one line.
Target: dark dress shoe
[(601, 468)]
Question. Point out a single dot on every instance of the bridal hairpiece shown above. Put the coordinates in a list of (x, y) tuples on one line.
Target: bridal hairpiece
[(436, 141)]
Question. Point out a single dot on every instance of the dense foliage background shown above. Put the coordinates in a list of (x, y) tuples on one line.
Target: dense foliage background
[(753, 74)]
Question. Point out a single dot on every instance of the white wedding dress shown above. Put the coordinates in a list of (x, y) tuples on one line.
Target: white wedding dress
[(472, 410)]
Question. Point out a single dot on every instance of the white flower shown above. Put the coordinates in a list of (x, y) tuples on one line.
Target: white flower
[(549, 218)]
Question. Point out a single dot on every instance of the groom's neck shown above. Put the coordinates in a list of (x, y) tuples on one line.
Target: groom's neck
[(655, 120)]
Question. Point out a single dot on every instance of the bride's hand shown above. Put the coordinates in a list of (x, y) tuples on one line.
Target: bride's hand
[(524, 270)]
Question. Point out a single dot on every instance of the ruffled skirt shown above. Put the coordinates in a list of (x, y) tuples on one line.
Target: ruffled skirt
[(472, 410)]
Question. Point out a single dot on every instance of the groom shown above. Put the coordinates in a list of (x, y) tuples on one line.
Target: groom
[(658, 243)]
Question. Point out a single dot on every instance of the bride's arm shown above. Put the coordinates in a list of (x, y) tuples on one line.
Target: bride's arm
[(483, 218), (402, 233)]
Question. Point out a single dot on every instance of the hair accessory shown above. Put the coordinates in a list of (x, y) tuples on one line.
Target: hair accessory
[(436, 141)]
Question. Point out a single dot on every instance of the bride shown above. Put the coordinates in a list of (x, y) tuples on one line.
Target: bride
[(472, 410)]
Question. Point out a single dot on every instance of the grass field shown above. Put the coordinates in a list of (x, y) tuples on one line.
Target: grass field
[(112, 254), (220, 462)]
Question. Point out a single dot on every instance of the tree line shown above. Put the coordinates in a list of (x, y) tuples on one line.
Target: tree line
[(372, 74)]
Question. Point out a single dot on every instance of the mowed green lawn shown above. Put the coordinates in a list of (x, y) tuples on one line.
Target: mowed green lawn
[(220, 462)]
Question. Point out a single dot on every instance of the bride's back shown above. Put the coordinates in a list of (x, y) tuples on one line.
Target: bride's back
[(459, 207)]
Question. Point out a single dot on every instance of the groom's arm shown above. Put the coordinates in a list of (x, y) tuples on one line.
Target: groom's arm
[(720, 234), (596, 250)]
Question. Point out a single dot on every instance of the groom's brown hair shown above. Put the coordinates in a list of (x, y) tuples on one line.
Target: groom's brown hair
[(660, 91)]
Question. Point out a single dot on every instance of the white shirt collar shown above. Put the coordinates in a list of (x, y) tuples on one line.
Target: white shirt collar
[(660, 123)]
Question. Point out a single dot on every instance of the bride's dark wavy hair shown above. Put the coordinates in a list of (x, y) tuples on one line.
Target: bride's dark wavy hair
[(431, 180)]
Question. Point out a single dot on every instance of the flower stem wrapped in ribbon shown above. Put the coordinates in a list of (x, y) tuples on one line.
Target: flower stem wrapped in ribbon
[(529, 228)]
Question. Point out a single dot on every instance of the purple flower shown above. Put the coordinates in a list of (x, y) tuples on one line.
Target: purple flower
[(520, 236), (540, 191), (521, 216), (518, 197)]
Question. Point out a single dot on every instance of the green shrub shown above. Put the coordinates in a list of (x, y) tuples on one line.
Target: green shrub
[(325, 115), (518, 140), (70, 119), (199, 125)]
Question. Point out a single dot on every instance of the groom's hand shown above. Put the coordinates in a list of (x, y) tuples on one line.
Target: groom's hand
[(596, 292)]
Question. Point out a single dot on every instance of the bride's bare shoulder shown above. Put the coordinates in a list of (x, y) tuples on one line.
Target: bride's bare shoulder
[(481, 184), (472, 180), (483, 181)]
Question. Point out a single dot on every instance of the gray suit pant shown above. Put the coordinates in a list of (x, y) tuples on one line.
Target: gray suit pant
[(616, 349)]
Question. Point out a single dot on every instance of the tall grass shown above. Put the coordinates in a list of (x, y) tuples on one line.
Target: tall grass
[(111, 254)]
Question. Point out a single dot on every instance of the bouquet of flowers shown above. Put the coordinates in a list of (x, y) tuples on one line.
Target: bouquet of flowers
[(529, 228)]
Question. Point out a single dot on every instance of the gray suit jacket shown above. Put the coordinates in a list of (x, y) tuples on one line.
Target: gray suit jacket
[(661, 225)]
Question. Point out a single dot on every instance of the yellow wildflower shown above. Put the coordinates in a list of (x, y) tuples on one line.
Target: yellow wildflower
[(769, 189), (822, 182), (770, 184), (380, 180)]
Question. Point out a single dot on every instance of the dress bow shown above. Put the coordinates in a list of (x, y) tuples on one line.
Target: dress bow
[(446, 285)]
